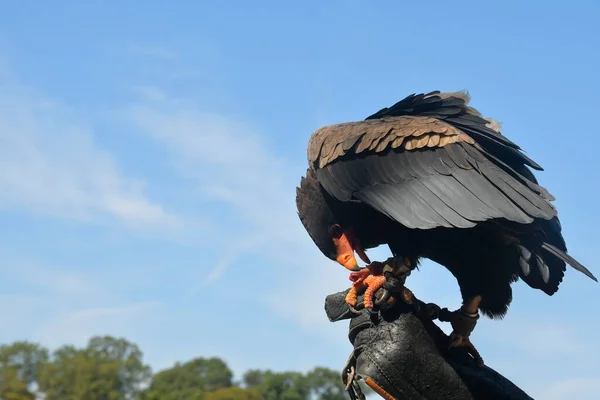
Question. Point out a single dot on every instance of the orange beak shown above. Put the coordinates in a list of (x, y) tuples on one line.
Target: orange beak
[(345, 251)]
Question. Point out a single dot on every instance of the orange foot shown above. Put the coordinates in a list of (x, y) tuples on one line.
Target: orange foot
[(369, 280)]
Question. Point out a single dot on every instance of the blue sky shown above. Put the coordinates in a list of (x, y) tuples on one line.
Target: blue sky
[(149, 155)]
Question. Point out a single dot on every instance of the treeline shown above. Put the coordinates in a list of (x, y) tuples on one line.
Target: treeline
[(111, 368)]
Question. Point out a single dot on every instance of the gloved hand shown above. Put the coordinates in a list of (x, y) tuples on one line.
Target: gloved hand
[(401, 354)]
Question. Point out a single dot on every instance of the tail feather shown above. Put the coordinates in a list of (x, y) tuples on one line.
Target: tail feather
[(568, 259), (539, 272), (543, 268)]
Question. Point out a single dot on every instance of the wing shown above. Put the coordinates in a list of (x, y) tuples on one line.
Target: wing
[(455, 185), (430, 160), (446, 115)]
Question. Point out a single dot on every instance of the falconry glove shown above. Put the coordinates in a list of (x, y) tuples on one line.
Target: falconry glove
[(401, 354)]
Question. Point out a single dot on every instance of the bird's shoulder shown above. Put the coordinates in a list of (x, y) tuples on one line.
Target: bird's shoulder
[(409, 132)]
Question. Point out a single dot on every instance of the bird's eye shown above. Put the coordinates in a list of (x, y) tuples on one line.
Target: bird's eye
[(336, 231)]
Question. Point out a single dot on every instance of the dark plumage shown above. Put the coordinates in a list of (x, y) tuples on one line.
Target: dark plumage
[(431, 178)]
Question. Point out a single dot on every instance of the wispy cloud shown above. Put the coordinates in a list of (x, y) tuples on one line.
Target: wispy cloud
[(51, 165), (54, 281), (57, 306), (232, 164), (77, 326)]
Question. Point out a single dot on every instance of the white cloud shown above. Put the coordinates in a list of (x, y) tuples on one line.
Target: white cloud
[(232, 165), (59, 305), (77, 326), (56, 281), (50, 164)]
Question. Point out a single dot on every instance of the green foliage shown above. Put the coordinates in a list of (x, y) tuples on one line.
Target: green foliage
[(320, 384), (283, 386), (253, 378), (326, 384), (190, 380), (109, 368), (20, 365), (233, 393), (12, 387), (25, 357)]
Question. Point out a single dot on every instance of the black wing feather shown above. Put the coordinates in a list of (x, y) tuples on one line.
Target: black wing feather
[(409, 188), (401, 205), (503, 207)]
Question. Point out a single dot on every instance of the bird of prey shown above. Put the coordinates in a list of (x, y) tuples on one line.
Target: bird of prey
[(431, 178)]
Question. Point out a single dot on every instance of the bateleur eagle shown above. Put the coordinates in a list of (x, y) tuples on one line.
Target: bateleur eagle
[(431, 178)]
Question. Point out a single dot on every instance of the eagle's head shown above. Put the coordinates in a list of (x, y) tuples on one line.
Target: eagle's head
[(324, 221)]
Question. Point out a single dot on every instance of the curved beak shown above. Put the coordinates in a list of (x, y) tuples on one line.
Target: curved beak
[(348, 261), (345, 253)]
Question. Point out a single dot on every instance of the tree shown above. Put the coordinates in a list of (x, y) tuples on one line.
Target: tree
[(320, 383), (214, 373), (190, 380), (20, 365), (12, 387), (253, 378), (107, 369), (278, 385), (66, 375), (326, 384), (233, 393), (27, 358), (175, 383), (120, 360)]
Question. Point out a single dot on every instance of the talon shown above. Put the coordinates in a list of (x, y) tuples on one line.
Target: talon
[(351, 297), (374, 283)]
